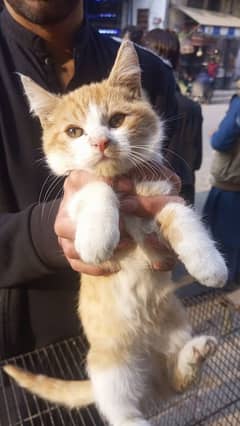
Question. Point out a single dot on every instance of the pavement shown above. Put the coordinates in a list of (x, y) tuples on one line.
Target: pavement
[(222, 96)]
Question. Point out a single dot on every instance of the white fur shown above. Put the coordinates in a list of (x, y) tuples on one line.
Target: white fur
[(194, 352), (145, 188), (94, 126), (60, 164), (118, 391), (95, 211), (194, 246)]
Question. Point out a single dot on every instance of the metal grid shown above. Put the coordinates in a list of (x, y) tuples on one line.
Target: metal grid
[(214, 401)]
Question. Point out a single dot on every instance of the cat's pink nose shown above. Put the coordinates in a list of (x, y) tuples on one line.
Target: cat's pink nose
[(102, 144)]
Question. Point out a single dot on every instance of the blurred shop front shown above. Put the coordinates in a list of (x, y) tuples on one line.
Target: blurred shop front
[(208, 37)]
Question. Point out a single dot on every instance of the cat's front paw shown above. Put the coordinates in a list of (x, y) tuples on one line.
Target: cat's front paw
[(209, 269), (94, 243)]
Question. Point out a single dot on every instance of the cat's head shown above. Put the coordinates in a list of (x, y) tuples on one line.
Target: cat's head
[(107, 127)]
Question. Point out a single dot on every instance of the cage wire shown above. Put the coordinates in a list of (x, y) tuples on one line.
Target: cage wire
[(214, 400)]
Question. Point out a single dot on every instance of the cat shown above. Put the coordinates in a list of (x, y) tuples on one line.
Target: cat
[(140, 339)]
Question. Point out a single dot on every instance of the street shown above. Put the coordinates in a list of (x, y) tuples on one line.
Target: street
[(212, 115)]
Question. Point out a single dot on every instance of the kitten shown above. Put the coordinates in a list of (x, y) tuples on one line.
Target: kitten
[(139, 336)]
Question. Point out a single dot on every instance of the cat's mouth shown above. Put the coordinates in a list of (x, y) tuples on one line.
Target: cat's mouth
[(105, 157)]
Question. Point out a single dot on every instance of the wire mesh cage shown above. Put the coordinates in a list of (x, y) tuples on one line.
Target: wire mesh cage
[(214, 400)]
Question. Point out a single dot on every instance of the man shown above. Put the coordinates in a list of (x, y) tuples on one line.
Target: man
[(51, 42)]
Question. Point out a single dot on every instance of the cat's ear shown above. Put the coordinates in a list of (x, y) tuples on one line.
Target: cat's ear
[(41, 102), (126, 70)]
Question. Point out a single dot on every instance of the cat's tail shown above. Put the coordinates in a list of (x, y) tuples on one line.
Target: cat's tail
[(72, 394)]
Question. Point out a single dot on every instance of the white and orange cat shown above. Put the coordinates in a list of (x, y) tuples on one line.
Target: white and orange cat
[(139, 336)]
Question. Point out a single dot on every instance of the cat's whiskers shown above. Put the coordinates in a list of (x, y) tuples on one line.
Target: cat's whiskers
[(166, 122), (151, 167), (136, 164), (173, 118), (51, 188), (49, 191), (127, 153), (60, 192), (155, 161), (43, 187), (146, 168), (142, 164), (150, 150), (41, 161), (178, 156), (134, 160)]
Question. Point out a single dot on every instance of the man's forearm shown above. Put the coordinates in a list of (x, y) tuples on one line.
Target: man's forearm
[(28, 246)]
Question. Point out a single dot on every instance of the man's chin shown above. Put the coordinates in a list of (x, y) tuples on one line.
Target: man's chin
[(44, 12)]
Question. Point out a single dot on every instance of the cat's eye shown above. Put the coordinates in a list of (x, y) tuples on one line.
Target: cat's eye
[(74, 131), (117, 120)]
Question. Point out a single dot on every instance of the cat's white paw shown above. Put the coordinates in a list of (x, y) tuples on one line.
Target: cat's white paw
[(192, 356), (94, 242), (95, 210), (209, 268)]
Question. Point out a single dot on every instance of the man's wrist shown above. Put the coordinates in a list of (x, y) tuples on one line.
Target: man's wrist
[(44, 239)]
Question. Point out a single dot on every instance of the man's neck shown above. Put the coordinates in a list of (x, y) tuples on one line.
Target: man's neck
[(59, 37)]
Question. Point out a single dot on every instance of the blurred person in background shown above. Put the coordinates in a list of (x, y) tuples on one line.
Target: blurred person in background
[(184, 152), (133, 33), (202, 88), (222, 208)]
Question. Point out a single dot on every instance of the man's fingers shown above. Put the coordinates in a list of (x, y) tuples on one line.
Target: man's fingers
[(68, 248), (147, 206), (124, 184), (106, 268), (84, 268), (164, 265), (65, 228)]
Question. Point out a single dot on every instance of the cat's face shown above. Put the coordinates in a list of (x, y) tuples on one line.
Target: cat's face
[(106, 127)]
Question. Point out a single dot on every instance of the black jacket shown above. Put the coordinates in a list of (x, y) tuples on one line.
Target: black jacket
[(38, 291)]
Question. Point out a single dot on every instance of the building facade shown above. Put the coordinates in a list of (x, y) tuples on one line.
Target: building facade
[(149, 14), (209, 30)]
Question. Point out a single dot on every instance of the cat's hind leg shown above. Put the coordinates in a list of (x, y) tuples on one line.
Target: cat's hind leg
[(118, 390), (183, 353), (186, 366)]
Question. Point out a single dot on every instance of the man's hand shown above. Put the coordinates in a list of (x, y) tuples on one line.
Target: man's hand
[(130, 203)]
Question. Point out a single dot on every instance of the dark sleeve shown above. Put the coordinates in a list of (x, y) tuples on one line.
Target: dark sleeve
[(28, 245), (197, 137)]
